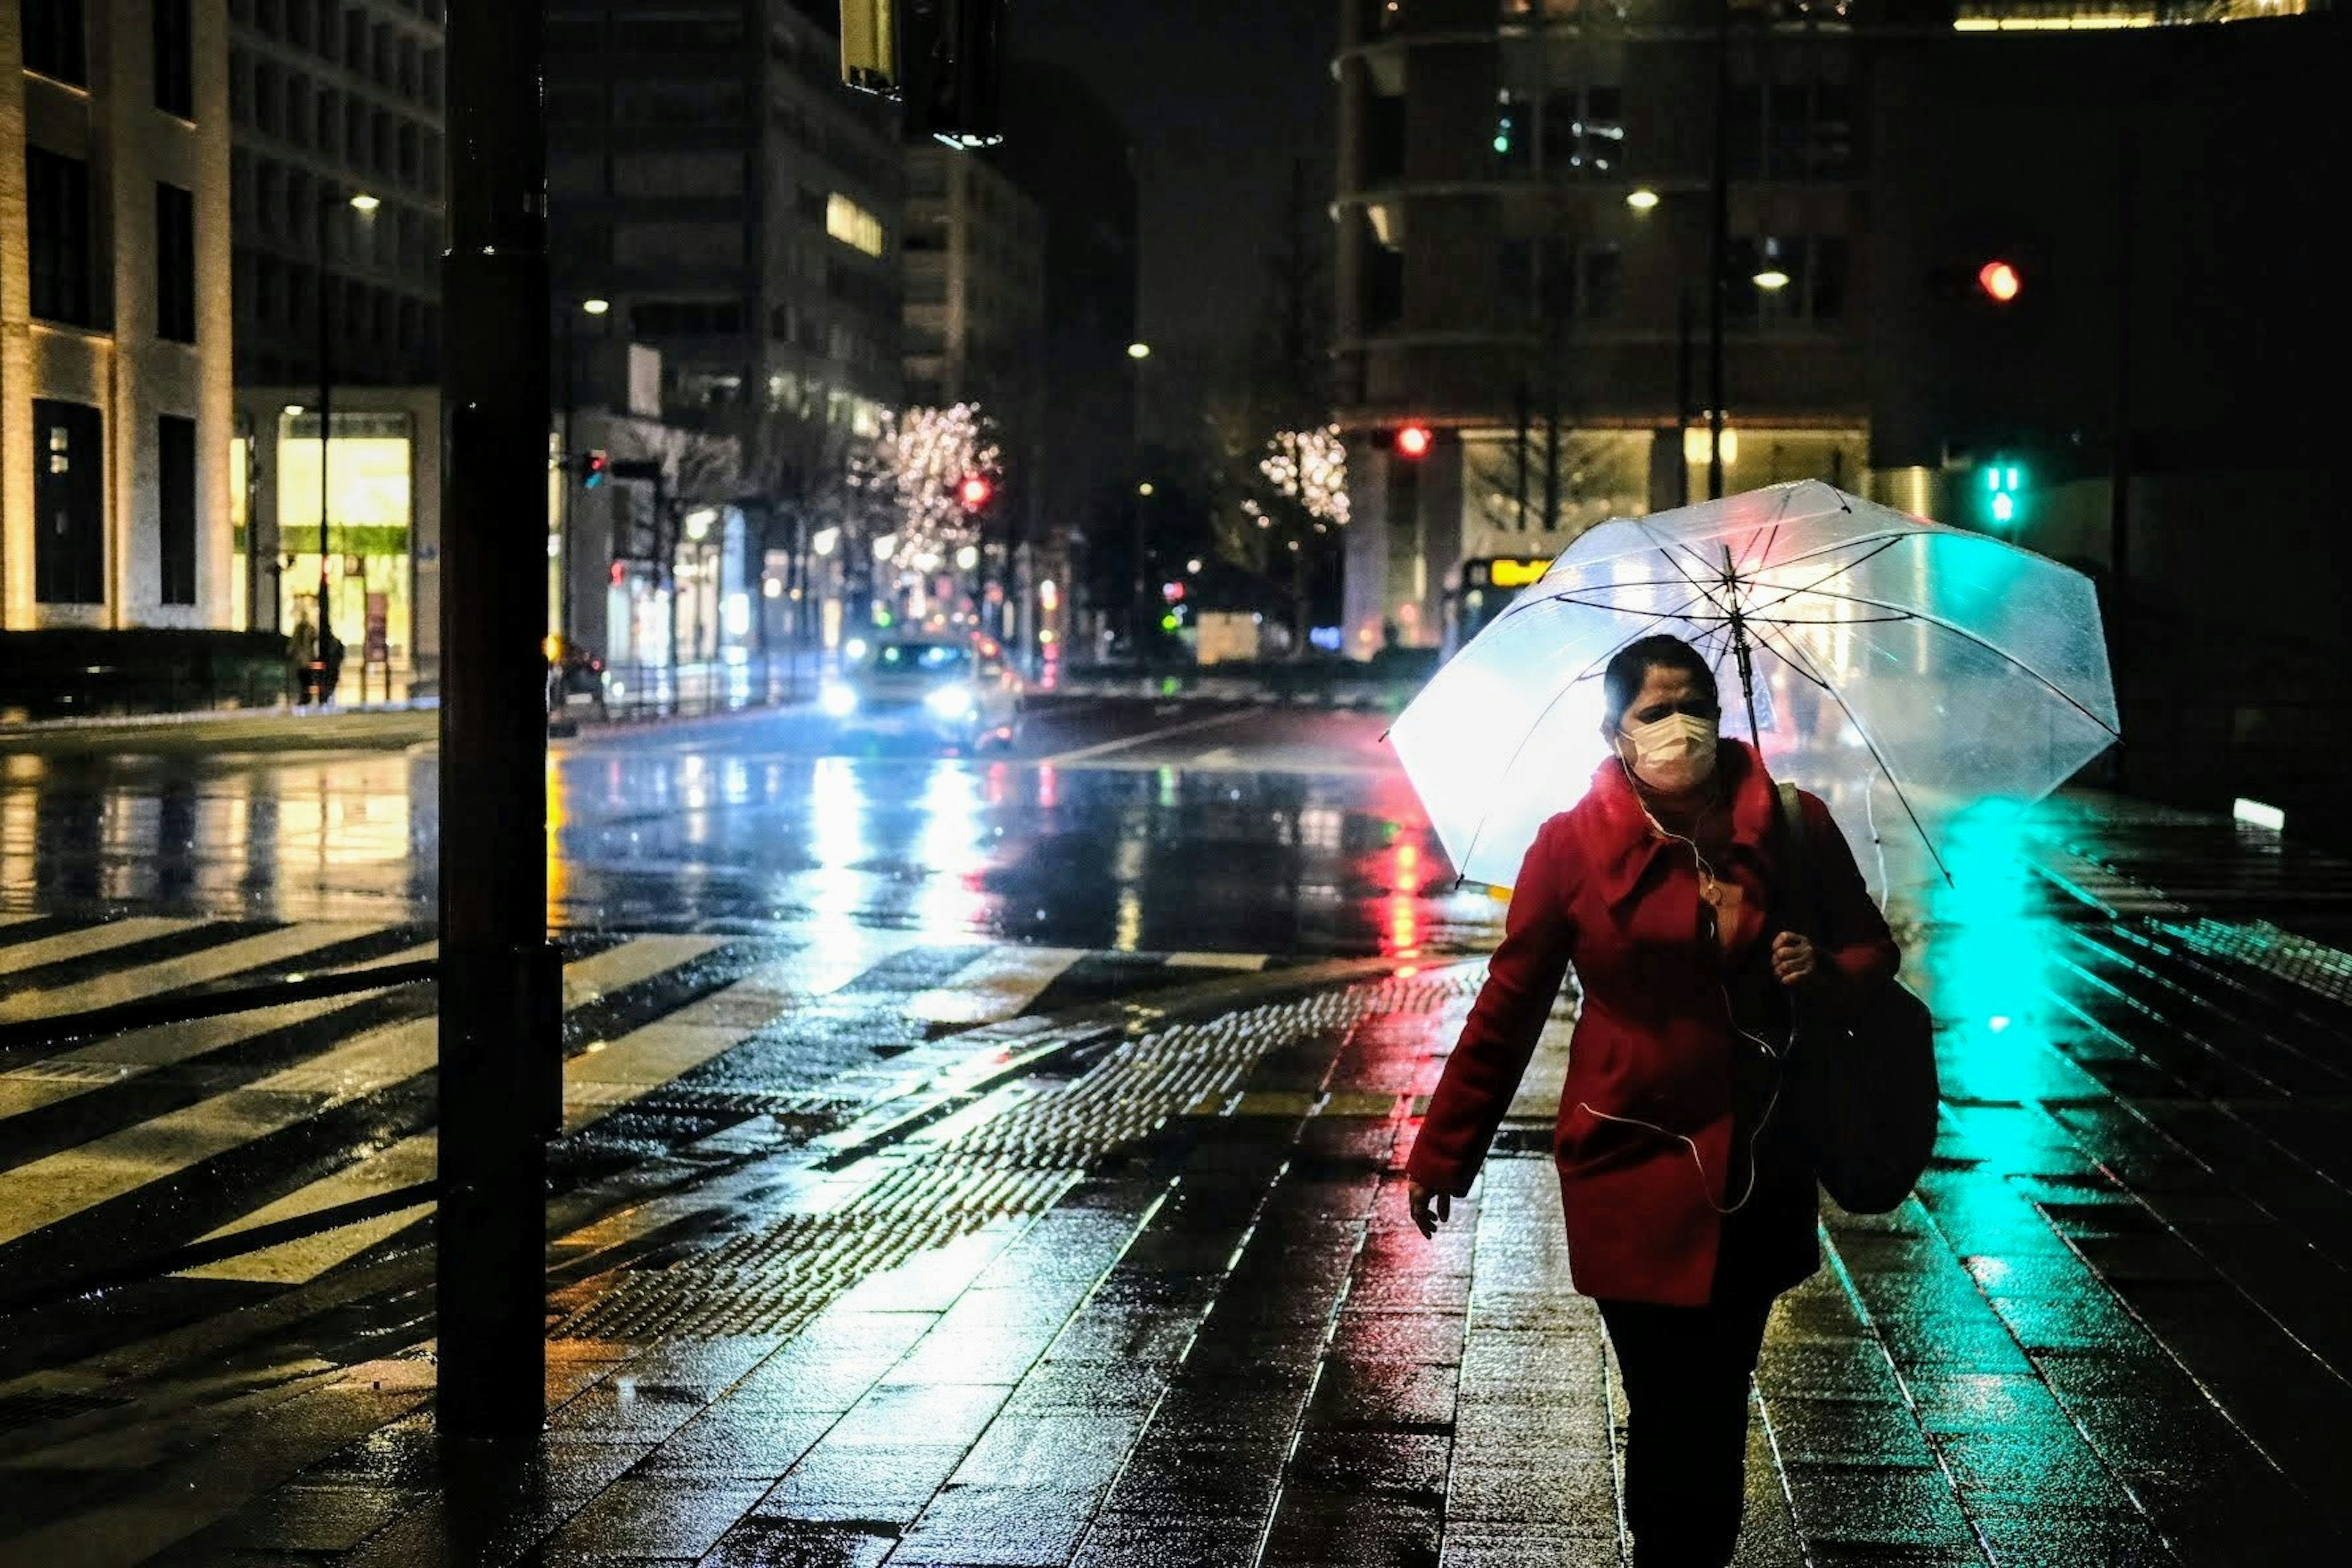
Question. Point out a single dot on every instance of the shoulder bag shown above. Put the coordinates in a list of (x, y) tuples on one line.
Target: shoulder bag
[(1861, 1086)]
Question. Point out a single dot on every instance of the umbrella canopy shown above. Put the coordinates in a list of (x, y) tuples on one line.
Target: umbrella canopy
[(1903, 670)]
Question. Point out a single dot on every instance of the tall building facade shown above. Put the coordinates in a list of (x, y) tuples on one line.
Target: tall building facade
[(114, 321), (1527, 228), (974, 263), (336, 176), (710, 177), (1542, 259)]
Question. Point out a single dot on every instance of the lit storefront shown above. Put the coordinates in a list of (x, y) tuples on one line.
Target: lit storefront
[(369, 489)]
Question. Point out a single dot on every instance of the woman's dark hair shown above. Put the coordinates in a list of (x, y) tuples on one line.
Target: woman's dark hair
[(1623, 681)]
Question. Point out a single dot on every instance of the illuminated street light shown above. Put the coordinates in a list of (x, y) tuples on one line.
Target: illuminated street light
[(1642, 200), (1772, 278), (365, 203), (595, 306), (1144, 488), (1138, 350)]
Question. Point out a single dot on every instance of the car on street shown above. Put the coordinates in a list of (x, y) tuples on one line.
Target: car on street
[(955, 690)]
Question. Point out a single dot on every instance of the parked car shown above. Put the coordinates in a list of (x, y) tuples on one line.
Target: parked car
[(955, 690)]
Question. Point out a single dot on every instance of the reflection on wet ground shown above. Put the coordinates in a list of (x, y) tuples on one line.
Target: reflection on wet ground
[(700, 836)]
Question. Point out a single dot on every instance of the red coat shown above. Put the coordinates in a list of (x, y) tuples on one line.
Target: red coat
[(1655, 1041)]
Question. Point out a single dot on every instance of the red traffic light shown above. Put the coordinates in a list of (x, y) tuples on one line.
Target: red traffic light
[(1414, 440), (2000, 281), (975, 492), (594, 467)]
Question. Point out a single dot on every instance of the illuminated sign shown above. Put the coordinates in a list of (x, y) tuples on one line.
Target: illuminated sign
[(1517, 571)]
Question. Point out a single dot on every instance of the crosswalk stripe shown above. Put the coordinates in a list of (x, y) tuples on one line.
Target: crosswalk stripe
[(42, 1192), (634, 960), (88, 941), (995, 986), (1242, 961), (597, 1082), (403, 1163), (195, 968), (69, 1073)]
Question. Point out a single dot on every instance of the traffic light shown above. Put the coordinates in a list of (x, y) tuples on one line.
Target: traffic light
[(2000, 281), (1412, 440), (2000, 492), (944, 59), (974, 491), (594, 468)]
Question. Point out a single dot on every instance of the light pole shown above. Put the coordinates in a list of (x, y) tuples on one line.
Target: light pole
[(1137, 353), (363, 203), (565, 565)]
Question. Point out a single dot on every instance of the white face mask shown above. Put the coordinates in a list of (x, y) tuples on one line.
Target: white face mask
[(1674, 753)]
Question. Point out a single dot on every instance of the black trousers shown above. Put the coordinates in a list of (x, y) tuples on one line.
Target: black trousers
[(1686, 1371)]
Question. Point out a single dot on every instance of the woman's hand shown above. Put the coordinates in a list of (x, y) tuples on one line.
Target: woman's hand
[(1430, 1207), (1795, 961)]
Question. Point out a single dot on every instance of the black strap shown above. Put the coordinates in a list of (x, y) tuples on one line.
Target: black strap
[(1801, 865)]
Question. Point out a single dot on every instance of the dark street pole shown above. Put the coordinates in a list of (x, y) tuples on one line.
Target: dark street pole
[(1682, 396), (326, 420), (2119, 483), (1717, 245), (500, 986)]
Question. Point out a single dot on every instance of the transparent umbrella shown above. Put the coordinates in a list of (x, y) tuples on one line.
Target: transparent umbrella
[(1903, 670)]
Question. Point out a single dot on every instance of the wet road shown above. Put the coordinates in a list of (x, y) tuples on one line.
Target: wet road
[(1125, 826)]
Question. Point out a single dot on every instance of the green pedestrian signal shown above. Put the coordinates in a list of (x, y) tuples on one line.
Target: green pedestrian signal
[(2002, 493)]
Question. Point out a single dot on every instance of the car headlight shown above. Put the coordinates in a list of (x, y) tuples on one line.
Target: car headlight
[(949, 701), (836, 701)]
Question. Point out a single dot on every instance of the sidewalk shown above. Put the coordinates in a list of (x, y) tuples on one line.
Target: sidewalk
[(1160, 1304)]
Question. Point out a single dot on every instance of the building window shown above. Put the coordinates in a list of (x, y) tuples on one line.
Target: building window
[(1600, 282), (175, 264), (1583, 131), (54, 40), (1802, 130), (175, 59), (852, 224), (57, 204), (68, 504), (175, 509)]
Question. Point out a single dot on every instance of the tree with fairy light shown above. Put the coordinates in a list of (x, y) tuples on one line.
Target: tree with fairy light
[(1286, 523), (915, 473)]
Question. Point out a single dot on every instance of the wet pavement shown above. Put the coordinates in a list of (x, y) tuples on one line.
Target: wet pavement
[(1116, 824), (886, 1232)]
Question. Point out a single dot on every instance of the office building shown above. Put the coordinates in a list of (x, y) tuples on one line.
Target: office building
[(114, 318)]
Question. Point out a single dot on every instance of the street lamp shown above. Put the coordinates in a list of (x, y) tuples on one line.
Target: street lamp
[(365, 204), (1138, 350), (1642, 200), (1137, 353)]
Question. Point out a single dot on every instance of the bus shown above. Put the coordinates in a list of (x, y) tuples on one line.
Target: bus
[(1481, 587)]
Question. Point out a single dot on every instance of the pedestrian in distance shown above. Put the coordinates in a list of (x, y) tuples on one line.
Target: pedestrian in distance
[(331, 665), (301, 660), (1689, 1200)]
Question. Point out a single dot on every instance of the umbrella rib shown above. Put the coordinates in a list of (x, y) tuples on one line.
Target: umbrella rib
[(1470, 847), (1993, 648), (1876, 756), (1815, 587)]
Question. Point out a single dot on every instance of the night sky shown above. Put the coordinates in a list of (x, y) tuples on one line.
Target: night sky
[(1221, 96)]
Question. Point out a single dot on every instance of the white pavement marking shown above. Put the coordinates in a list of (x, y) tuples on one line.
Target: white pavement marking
[(597, 1082), (45, 1191), (151, 979), (1244, 960), (995, 986), (88, 941), (69, 1073), (1128, 741)]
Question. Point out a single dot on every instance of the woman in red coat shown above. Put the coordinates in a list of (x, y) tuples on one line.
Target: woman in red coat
[(1689, 1206)]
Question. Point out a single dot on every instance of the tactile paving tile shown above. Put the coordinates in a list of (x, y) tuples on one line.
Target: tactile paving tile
[(958, 1178), (2261, 946)]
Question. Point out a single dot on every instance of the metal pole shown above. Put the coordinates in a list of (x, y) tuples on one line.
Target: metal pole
[(1718, 245), (1682, 396), (501, 982), (564, 510), (2119, 484), (326, 424)]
